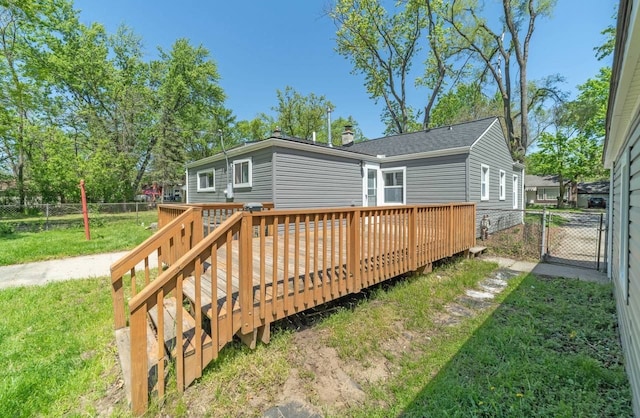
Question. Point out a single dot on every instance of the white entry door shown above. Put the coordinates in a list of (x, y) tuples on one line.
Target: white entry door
[(370, 180)]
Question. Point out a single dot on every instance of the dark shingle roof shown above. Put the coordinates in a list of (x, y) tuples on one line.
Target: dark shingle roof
[(436, 139)]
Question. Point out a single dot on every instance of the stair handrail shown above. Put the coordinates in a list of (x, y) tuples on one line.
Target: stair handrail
[(140, 304), (143, 251)]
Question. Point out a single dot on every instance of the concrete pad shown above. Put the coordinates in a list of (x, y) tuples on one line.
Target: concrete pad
[(550, 270), (569, 272), (42, 272)]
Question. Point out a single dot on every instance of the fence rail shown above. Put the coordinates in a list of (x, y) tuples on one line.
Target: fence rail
[(37, 217)]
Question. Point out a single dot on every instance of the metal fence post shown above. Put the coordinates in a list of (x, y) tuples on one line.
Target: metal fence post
[(137, 214), (46, 224), (544, 233)]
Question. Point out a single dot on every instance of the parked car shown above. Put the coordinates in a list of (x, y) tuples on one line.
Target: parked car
[(596, 202)]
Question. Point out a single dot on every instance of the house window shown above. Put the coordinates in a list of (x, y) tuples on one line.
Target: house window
[(623, 267), (515, 191), (242, 176), (207, 180), (484, 182), (503, 183), (393, 182)]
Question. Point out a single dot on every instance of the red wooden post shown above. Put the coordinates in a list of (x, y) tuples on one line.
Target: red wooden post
[(85, 214)]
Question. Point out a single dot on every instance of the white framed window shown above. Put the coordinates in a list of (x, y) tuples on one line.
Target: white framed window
[(393, 183), (503, 185), (207, 180), (623, 267), (515, 191), (242, 173), (484, 182)]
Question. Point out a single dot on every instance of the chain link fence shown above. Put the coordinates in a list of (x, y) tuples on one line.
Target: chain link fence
[(576, 238), (510, 233), (42, 217)]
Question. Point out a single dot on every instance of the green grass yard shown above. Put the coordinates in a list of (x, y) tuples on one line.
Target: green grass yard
[(109, 233), (542, 348)]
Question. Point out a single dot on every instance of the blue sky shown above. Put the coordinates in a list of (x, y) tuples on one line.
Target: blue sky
[(261, 46)]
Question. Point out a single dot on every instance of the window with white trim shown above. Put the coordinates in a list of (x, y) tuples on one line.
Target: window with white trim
[(207, 180), (393, 182), (503, 185), (242, 176), (515, 191), (484, 182)]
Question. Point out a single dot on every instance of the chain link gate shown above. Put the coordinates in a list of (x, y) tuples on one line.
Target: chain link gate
[(575, 238)]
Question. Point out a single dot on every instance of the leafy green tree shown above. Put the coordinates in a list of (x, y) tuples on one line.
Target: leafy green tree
[(27, 28), (495, 50), (300, 116), (381, 46), (467, 102), (187, 97)]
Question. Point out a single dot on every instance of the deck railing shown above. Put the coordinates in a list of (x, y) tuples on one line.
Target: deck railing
[(264, 266)]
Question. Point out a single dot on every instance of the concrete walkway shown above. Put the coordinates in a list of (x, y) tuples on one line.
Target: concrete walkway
[(41, 272), (98, 265), (550, 270)]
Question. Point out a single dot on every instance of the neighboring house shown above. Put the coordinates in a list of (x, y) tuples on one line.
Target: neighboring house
[(622, 156), (468, 162), (544, 190), (592, 189)]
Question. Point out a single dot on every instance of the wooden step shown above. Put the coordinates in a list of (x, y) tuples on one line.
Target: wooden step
[(188, 326), (476, 251), (193, 365), (123, 342)]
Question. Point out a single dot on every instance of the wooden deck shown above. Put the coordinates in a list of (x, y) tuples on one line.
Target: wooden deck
[(256, 268)]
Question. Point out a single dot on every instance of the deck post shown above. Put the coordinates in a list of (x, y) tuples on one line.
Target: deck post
[(139, 367), (245, 259), (197, 229), (413, 245)]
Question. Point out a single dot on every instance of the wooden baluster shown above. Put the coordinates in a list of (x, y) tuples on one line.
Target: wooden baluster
[(229, 282), (215, 312), (160, 335), (285, 267), (332, 274), (263, 286), (296, 263), (134, 287), (180, 372), (198, 337), (147, 274), (306, 260), (317, 275), (342, 278), (274, 279), (139, 361), (325, 280)]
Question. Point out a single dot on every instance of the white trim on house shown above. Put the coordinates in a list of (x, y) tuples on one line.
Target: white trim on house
[(380, 186), (248, 182), (374, 167), (515, 191), (210, 180), (502, 177), (383, 185), (485, 181), (484, 133)]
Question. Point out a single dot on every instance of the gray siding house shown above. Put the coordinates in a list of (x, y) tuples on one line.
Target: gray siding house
[(622, 156), (468, 162)]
